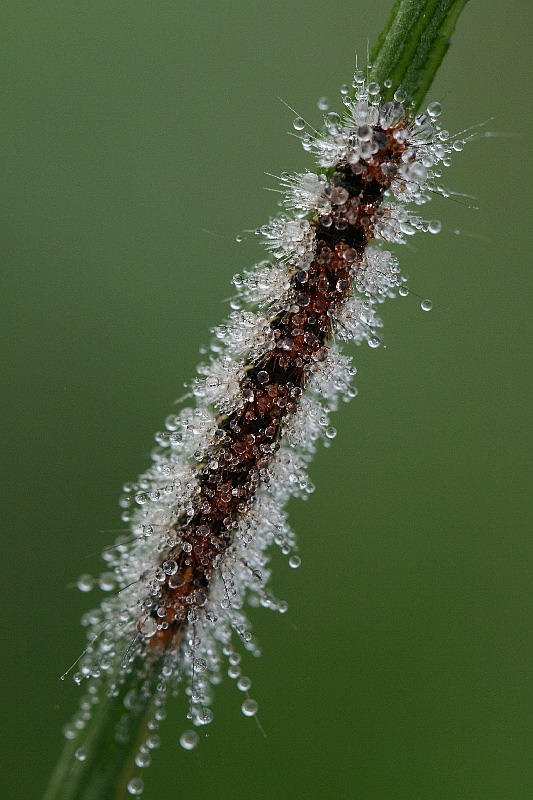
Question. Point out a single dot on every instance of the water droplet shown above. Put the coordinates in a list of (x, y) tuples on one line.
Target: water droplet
[(136, 786), (407, 229), (106, 581), (364, 133), (249, 707), (204, 717), (298, 124), (323, 103), (189, 740), (85, 583), (153, 741), (244, 683), (239, 238), (434, 110), (426, 305), (80, 754), (435, 226), (143, 759), (147, 626), (295, 561)]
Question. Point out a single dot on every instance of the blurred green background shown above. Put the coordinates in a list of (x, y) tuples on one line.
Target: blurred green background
[(135, 137)]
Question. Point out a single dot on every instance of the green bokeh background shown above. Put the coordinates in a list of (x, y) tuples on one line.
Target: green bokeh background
[(134, 138)]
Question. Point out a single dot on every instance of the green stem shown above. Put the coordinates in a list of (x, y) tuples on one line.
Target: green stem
[(107, 746), (412, 45), (408, 52)]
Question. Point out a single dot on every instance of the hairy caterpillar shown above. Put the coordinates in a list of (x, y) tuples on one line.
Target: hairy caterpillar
[(206, 512)]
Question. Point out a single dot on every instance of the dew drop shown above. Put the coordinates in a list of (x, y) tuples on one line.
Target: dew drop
[(69, 731), (205, 716), (323, 103), (80, 754), (239, 238), (434, 110), (244, 683), (85, 583), (249, 707), (294, 562), (189, 740), (147, 626), (426, 305), (407, 229), (106, 581), (135, 786), (143, 759), (298, 124), (153, 741)]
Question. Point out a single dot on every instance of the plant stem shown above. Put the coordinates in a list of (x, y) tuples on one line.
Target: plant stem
[(412, 45), (107, 748), (95, 764)]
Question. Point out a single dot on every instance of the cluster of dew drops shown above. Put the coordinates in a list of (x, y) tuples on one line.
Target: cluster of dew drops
[(107, 582), (433, 112)]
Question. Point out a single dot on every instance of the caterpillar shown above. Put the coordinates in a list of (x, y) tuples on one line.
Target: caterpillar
[(206, 513)]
